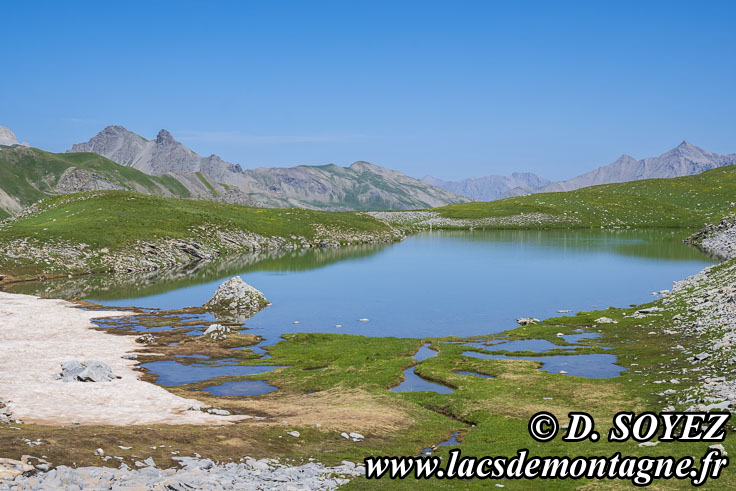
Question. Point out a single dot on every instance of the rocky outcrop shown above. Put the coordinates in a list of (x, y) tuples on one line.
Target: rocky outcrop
[(7, 138), (719, 239), (236, 300), (361, 186), (75, 180)]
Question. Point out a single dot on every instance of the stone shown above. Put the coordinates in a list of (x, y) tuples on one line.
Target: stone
[(86, 371), (523, 321), (605, 320), (720, 448), (99, 452), (218, 412), (236, 300), (217, 332), (650, 310), (295, 434)]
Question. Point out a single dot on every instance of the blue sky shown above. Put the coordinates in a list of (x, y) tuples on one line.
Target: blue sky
[(453, 89)]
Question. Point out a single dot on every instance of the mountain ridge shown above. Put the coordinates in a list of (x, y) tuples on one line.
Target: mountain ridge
[(685, 159), (360, 186)]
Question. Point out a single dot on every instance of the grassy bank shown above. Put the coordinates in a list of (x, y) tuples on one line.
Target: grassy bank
[(91, 232)]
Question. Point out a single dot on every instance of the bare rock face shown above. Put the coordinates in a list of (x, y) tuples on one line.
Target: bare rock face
[(235, 300), (75, 180), (8, 138)]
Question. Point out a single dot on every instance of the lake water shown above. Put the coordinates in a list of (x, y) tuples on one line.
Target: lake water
[(437, 284), (430, 285)]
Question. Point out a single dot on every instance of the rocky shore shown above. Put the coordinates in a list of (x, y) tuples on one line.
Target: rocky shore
[(194, 473), (423, 220), (704, 307), (719, 239)]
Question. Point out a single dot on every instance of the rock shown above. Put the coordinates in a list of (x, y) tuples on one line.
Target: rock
[(149, 462), (720, 448), (295, 434), (236, 300), (649, 444), (86, 371), (217, 332), (218, 412), (564, 311), (702, 356), (99, 452), (145, 339), (356, 437), (345, 435), (605, 320), (523, 321), (10, 468), (649, 310), (130, 356)]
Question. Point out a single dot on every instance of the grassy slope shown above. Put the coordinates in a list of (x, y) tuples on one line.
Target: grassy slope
[(30, 174), (678, 202), (115, 218)]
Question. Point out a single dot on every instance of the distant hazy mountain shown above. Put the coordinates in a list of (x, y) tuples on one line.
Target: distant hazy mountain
[(362, 186), (490, 188), (684, 160), (7, 138)]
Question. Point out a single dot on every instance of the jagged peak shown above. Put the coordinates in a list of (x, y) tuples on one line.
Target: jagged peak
[(165, 138)]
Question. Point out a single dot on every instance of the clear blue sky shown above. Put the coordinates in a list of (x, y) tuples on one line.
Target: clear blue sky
[(453, 89)]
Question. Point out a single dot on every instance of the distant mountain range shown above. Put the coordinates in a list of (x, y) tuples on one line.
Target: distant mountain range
[(491, 188), (361, 186), (120, 159), (684, 160)]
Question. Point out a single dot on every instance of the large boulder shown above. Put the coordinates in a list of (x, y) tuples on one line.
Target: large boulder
[(236, 300), (86, 371)]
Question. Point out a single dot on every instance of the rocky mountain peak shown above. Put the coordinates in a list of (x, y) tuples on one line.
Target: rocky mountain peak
[(7, 137), (165, 138)]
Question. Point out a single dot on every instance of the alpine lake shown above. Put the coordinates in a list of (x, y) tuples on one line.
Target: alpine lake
[(432, 285)]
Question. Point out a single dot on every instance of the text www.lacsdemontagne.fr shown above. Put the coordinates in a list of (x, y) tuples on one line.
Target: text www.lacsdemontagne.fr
[(641, 471)]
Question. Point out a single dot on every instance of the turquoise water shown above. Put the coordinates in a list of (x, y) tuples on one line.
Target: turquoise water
[(438, 284)]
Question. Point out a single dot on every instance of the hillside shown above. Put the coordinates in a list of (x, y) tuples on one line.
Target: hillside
[(124, 231), (361, 186), (30, 174), (688, 201)]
